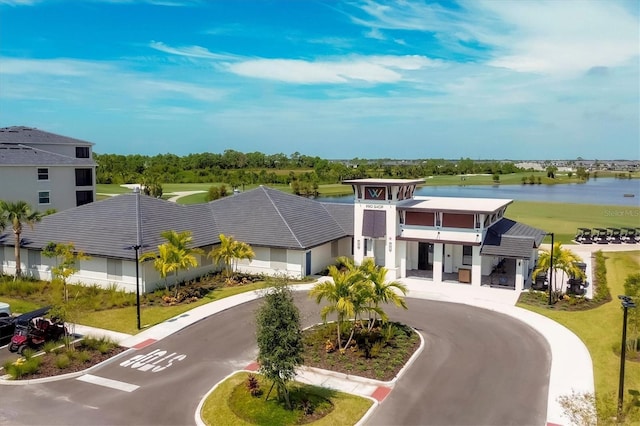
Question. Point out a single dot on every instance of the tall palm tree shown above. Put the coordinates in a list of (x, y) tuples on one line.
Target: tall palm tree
[(230, 252), (17, 214), (164, 261), (563, 260), (174, 255), (339, 292), (382, 291)]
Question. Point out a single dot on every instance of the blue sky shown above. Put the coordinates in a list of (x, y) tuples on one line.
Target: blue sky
[(337, 79)]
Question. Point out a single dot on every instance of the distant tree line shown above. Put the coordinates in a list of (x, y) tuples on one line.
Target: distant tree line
[(304, 172)]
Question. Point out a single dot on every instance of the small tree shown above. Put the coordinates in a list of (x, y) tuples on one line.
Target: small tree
[(213, 193), (67, 258), (17, 214), (564, 260), (230, 252), (174, 255), (279, 339)]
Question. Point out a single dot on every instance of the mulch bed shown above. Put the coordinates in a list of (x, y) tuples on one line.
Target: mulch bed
[(48, 366), (383, 366)]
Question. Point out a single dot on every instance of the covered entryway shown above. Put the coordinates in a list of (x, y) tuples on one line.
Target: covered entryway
[(425, 256)]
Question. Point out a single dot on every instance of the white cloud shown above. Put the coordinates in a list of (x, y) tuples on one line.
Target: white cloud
[(190, 51), (19, 2), (370, 69), (375, 33), (562, 37), (59, 67)]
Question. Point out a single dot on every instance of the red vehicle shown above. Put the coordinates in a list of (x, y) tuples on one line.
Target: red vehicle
[(32, 330)]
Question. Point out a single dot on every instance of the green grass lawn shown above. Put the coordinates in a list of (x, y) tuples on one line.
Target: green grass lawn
[(563, 218), (348, 409), (600, 329)]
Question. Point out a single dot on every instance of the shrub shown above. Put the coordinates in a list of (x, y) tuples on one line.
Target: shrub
[(50, 346), (601, 289), (253, 385), (22, 367), (83, 356), (63, 361)]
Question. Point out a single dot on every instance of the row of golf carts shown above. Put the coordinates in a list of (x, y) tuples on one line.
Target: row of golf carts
[(608, 235), (30, 330)]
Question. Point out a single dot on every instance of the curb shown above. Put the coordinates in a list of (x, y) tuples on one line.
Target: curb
[(62, 376)]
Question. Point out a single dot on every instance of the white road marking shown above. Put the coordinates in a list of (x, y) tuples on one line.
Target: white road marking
[(102, 381)]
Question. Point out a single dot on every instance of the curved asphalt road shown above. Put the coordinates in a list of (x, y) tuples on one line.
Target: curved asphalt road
[(478, 367)]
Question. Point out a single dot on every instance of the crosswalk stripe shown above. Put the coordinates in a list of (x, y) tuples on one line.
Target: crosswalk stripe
[(109, 383)]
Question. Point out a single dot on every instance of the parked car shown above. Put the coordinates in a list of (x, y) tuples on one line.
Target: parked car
[(7, 327), (33, 329), (5, 310)]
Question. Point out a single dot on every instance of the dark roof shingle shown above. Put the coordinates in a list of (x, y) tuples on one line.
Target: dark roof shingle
[(508, 238)]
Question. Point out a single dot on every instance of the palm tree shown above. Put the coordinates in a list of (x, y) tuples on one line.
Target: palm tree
[(381, 291), (17, 214), (163, 261), (563, 259), (174, 255), (230, 252), (339, 292)]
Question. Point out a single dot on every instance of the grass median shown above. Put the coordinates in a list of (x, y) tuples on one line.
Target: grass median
[(600, 329)]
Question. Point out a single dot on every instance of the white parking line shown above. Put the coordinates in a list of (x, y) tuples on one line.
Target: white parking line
[(102, 381)]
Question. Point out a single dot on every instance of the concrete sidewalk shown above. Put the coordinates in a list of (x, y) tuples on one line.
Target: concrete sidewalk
[(571, 366)]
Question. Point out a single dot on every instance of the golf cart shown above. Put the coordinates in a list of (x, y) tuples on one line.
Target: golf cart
[(32, 330)]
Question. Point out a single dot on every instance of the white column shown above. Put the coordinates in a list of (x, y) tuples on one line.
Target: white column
[(437, 262), (358, 239), (401, 251), (448, 258), (519, 275), (476, 266)]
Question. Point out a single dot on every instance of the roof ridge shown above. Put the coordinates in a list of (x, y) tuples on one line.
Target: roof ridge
[(295, 237), (330, 215)]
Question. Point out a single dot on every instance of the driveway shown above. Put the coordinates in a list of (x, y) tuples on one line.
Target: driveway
[(479, 367)]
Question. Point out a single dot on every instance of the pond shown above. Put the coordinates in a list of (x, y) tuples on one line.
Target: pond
[(604, 191)]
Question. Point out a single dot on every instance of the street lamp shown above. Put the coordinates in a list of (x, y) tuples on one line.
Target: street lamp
[(627, 302), (137, 247)]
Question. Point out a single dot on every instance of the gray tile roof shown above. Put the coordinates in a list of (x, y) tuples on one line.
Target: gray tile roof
[(108, 227), (260, 217), (32, 136), (22, 155), (272, 218), (343, 215), (508, 238)]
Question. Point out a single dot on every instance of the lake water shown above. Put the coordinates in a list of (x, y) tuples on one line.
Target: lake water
[(606, 191)]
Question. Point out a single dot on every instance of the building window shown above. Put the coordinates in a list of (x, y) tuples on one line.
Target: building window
[(33, 258), (44, 197), (82, 152), (467, 255), (43, 174), (84, 197), (114, 269), (84, 177)]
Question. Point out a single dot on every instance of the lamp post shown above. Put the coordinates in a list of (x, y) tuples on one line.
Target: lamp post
[(627, 302), (551, 269), (137, 247)]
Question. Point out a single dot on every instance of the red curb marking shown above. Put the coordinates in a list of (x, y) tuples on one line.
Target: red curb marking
[(381, 393), (254, 366), (144, 343), (553, 424)]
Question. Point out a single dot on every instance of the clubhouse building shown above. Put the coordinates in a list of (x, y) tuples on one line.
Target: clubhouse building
[(441, 239)]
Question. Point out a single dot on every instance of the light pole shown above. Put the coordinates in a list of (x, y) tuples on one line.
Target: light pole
[(627, 302), (136, 190), (550, 268)]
